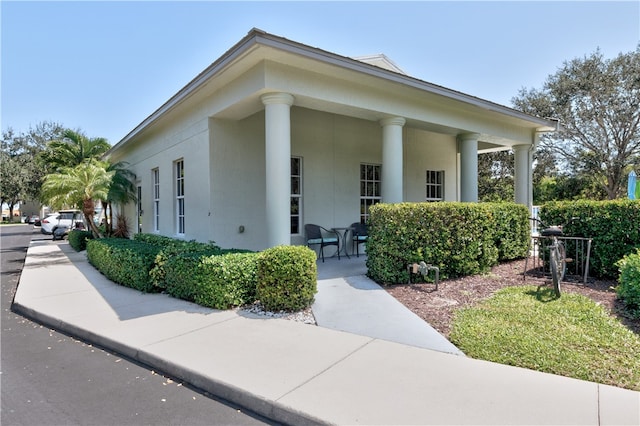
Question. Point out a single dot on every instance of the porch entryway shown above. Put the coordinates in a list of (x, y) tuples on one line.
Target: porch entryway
[(349, 301)]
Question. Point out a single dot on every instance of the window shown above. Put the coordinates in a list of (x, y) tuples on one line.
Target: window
[(435, 185), (156, 199), (139, 193), (179, 197), (296, 194), (370, 191)]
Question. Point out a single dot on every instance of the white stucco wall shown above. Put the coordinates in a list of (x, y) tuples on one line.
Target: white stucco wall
[(332, 147), (185, 137), (428, 151), (237, 158), (224, 164)]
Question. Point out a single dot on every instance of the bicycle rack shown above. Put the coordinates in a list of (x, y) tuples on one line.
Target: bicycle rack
[(577, 248)]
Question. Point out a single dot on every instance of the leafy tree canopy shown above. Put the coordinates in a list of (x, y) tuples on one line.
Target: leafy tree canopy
[(495, 176), (597, 101), (21, 167)]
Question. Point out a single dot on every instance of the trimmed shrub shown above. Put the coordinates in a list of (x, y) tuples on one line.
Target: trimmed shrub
[(459, 238), (512, 232), (123, 261), (629, 282), (228, 281), (287, 278), (614, 227), (78, 239), (179, 279), (171, 247), (219, 281)]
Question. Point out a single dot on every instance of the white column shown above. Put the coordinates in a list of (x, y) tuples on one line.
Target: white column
[(469, 167), (278, 167), (392, 159), (522, 174)]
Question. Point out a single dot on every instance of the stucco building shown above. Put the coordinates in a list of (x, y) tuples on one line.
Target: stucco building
[(275, 134)]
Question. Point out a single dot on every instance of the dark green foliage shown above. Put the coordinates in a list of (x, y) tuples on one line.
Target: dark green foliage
[(614, 227), (78, 239), (512, 230), (206, 274), (459, 238), (171, 247), (629, 282), (287, 278), (126, 262), (219, 282), (174, 244), (179, 275)]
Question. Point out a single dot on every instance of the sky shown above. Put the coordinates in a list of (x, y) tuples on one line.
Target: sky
[(103, 67)]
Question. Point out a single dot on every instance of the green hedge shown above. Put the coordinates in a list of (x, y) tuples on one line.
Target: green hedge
[(78, 239), (629, 282), (123, 261), (171, 247), (287, 278), (219, 281), (460, 238), (614, 227), (208, 275), (512, 230)]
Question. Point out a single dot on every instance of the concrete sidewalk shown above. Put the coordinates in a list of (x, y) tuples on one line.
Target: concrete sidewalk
[(302, 374)]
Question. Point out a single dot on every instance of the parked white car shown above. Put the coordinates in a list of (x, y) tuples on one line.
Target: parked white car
[(63, 218)]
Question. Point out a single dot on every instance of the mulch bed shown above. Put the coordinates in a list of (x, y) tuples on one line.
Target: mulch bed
[(438, 307)]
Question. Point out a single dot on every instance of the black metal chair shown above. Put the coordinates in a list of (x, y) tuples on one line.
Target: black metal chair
[(315, 235), (359, 236)]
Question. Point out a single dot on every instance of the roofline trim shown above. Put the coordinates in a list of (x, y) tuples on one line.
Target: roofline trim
[(257, 36)]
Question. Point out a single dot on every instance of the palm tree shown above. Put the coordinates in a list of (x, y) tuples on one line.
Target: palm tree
[(121, 191), (78, 187), (73, 149)]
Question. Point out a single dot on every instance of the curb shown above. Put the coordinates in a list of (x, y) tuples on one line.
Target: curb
[(265, 407)]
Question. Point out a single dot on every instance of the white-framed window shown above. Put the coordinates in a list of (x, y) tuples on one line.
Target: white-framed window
[(296, 195), (139, 204), (370, 189), (156, 199), (179, 170), (435, 185)]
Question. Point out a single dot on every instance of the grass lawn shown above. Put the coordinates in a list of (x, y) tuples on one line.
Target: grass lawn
[(570, 336)]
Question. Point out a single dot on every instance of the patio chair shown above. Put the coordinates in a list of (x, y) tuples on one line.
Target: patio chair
[(315, 235), (358, 236)]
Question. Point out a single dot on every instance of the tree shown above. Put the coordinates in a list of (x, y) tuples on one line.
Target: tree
[(73, 149), (122, 190), (21, 169), (12, 186), (495, 176), (598, 104), (78, 187)]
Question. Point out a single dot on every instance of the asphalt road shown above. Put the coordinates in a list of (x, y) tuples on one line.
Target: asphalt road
[(49, 378)]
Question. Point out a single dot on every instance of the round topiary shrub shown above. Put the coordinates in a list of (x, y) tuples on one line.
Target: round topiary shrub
[(287, 278)]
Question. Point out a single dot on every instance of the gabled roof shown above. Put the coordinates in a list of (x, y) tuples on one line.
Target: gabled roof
[(376, 66), (380, 60)]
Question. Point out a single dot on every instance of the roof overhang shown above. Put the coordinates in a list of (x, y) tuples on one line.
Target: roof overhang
[(259, 46)]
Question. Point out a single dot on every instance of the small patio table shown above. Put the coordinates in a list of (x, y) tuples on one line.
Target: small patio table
[(342, 240)]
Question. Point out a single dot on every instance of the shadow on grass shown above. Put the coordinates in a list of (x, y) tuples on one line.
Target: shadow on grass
[(543, 294)]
